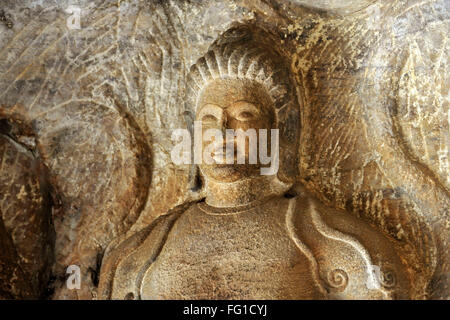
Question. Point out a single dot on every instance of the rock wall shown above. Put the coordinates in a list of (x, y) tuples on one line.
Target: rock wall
[(87, 113)]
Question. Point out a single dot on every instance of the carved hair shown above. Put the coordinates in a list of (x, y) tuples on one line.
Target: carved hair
[(236, 55), (247, 52)]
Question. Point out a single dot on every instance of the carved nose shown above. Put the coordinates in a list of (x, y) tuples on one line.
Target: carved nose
[(224, 120)]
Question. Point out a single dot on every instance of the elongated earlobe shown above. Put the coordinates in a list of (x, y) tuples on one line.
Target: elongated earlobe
[(195, 179)]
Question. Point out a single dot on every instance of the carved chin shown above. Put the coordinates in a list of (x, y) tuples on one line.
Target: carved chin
[(229, 173)]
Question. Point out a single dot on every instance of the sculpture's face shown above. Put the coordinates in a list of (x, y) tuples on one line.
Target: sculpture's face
[(234, 104)]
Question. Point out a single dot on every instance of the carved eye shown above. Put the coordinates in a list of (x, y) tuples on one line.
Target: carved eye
[(244, 111), (209, 118), (245, 116)]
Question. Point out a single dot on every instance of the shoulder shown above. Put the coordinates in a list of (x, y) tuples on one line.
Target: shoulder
[(354, 259), (117, 257)]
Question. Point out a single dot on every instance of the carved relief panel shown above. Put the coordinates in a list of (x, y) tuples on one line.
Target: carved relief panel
[(347, 99)]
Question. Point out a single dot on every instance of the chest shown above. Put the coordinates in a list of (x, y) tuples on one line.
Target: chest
[(229, 258)]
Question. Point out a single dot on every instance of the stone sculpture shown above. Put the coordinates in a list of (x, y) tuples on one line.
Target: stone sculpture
[(247, 240), (91, 93)]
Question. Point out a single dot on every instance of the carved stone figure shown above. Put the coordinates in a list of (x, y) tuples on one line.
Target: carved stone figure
[(91, 93), (248, 239)]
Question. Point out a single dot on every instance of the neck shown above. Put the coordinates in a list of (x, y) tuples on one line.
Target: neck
[(242, 192)]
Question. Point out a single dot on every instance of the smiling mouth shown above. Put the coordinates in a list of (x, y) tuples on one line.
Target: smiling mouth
[(223, 151)]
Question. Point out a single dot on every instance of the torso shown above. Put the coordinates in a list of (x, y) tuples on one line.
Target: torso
[(276, 250), (245, 255)]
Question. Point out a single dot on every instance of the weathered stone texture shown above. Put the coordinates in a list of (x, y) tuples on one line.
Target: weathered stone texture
[(87, 117)]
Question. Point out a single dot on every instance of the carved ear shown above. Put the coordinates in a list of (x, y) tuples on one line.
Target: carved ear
[(289, 126)]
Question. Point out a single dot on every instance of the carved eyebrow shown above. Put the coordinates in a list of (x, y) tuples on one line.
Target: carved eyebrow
[(210, 109), (249, 106)]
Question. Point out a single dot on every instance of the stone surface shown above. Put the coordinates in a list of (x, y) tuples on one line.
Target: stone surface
[(87, 117), (27, 235)]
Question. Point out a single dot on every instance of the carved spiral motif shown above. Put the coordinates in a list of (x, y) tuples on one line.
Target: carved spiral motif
[(337, 279), (387, 278)]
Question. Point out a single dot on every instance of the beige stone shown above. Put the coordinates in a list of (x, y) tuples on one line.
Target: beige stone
[(358, 90)]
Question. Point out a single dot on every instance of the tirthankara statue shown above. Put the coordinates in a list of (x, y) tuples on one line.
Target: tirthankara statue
[(254, 236)]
